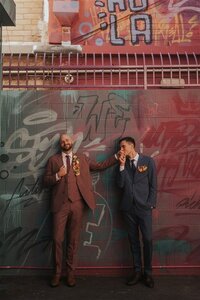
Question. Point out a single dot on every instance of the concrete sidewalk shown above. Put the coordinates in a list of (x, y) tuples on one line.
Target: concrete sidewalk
[(172, 287)]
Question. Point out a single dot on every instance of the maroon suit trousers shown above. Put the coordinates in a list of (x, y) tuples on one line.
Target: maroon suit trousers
[(70, 217)]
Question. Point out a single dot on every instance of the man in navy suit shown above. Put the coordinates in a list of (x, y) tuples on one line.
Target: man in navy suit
[(138, 180)]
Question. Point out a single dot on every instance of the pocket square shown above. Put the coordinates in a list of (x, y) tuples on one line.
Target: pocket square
[(142, 168)]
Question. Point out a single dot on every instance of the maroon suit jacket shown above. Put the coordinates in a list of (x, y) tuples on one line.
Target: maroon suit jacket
[(84, 180)]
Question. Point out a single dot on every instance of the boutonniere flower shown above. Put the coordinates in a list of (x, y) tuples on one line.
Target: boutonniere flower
[(142, 169), (76, 165)]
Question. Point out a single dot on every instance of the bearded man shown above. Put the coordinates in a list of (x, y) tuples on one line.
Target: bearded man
[(68, 176)]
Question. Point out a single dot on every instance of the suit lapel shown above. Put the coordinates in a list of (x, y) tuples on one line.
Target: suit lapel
[(59, 160), (141, 161)]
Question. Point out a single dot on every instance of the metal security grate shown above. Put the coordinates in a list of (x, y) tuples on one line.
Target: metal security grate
[(94, 71)]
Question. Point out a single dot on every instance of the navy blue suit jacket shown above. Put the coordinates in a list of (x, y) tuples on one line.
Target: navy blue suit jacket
[(140, 188)]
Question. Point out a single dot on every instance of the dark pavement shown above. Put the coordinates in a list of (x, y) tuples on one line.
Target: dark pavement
[(37, 287)]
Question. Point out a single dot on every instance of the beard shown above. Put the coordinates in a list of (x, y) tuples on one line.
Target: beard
[(66, 147)]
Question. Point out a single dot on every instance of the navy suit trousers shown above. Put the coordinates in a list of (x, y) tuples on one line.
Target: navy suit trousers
[(139, 222)]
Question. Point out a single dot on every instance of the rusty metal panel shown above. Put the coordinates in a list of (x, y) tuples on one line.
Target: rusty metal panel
[(91, 71)]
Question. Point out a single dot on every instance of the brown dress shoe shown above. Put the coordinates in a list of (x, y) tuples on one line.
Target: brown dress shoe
[(71, 281), (55, 281), (135, 278)]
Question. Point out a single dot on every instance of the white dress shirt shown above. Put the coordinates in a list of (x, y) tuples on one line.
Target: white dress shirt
[(65, 162)]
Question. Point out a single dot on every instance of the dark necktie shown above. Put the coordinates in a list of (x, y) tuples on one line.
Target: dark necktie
[(67, 163), (133, 167)]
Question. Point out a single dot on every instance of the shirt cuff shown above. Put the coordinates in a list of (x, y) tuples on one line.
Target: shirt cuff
[(57, 177), (121, 168)]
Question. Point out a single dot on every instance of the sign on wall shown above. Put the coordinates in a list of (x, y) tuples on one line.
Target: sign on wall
[(120, 25)]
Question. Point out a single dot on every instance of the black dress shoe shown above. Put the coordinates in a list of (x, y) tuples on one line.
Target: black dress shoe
[(55, 281), (134, 279), (148, 281)]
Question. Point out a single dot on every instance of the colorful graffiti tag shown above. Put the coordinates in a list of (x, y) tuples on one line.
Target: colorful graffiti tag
[(165, 125), (110, 24)]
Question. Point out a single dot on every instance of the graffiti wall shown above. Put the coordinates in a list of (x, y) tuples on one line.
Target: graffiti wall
[(165, 125), (119, 25)]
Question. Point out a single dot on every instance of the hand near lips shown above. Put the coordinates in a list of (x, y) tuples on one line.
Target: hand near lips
[(122, 158)]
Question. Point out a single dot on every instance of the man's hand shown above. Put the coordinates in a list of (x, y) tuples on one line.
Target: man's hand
[(122, 158), (62, 172)]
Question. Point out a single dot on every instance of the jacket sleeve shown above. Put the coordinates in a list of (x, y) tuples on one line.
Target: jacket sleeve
[(49, 178), (121, 178), (93, 165), (152, 184)]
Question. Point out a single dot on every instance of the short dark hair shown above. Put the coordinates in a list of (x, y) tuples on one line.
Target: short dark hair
[(128, 139)]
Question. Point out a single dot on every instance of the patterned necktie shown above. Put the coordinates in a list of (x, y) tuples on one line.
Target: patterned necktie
[(67, 163)]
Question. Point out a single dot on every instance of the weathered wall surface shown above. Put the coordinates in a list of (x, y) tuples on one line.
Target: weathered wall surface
[(29, 23), (110, 26), (165, 125)]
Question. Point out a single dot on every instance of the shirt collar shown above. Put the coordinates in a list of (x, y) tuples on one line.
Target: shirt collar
[(64, 154), (136, 158)]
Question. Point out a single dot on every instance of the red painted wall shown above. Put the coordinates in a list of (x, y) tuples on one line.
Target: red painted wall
[(146, 25)]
